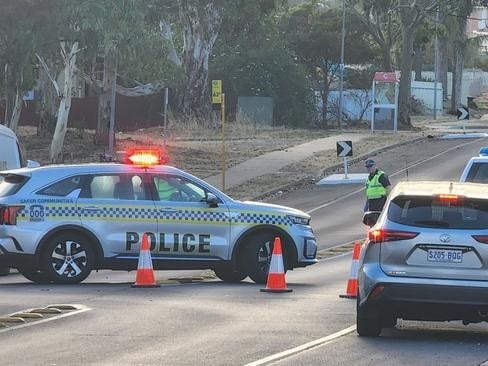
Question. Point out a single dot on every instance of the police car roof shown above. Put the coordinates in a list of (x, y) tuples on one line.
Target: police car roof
[(94, 167)]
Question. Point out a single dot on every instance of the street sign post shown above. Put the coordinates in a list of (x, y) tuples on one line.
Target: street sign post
[(463, 115), (344, 149)]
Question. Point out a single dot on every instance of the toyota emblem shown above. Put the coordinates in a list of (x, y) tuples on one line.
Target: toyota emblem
[(445, 238)]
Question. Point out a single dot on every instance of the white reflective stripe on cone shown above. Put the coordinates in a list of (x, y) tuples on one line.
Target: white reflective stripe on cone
[(145, 260), (276, 265), (354, 269)]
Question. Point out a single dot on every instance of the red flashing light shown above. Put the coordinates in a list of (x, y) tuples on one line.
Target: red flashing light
[(145, 157)]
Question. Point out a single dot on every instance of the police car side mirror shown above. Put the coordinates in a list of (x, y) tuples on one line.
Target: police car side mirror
[(370, 217), (211, 200)]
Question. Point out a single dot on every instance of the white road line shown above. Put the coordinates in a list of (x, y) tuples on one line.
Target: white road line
[(303, 347), (414, 164), (55, 317)]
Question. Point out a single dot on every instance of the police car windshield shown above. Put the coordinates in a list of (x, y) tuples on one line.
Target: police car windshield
[(11, 183)]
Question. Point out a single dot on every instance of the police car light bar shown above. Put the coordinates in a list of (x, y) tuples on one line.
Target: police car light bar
[(145, 157), (483, 151)]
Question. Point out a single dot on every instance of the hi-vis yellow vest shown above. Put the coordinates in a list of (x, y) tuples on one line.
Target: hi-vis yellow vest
[(374, 189)]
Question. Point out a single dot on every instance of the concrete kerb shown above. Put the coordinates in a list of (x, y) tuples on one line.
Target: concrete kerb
[(322, 173)]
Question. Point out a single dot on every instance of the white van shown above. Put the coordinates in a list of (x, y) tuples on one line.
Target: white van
[(11, 158)]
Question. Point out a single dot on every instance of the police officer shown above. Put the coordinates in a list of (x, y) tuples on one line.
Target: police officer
[(377, 187)]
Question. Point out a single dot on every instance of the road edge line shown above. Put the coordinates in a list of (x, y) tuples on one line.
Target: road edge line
[(303, 347)]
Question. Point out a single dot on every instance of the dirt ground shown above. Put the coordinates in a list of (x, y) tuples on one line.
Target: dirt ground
[(200, 151)]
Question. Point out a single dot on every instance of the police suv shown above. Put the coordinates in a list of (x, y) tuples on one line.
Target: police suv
[(476, 169), (57, 223)]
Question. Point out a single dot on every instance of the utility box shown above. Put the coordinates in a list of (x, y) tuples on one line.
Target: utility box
[(258, 110)]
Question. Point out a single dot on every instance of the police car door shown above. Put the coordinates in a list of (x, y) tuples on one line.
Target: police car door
[(187, 227), (115, 207)]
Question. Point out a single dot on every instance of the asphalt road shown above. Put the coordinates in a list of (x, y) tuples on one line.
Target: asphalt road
[(337, 210), (214, 323)]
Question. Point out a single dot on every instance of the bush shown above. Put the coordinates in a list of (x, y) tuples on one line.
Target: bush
[(416, 106)]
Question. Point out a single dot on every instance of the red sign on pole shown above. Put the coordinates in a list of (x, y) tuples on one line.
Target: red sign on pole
[(385, 77)]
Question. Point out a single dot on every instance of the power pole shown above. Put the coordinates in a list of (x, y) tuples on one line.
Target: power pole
[(342, 62)]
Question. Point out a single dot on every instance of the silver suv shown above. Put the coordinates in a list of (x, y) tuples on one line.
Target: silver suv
[(426, 257)]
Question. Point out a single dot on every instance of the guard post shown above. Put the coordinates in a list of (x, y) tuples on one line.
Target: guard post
[(218, 103)]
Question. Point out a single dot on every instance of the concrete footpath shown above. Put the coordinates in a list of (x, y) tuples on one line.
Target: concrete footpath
[(272, 162)]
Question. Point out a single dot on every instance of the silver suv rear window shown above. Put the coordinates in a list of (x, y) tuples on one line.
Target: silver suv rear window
[(430, 212)]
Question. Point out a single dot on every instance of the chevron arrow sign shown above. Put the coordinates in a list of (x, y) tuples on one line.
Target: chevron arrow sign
[(462, 113), (344, 148)]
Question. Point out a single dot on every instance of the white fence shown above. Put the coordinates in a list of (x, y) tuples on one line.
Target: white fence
[(356, 103)]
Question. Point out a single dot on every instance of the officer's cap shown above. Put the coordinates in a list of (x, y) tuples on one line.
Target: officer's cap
[(368, 163)]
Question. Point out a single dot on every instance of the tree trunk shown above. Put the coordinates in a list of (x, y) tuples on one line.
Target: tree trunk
[(325, 101), (386, 56), (417, 67), (56, 153), (200, 32), (405, 79), (201, 24), (17, 110), (105, 98), (442, 65), (457, 72), (48, 105)]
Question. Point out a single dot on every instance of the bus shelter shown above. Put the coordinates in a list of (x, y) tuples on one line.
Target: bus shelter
[(384, 116)]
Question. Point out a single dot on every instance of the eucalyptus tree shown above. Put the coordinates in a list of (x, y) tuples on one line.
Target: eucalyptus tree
[(411, 12), (120, 34), (313, 33), (381, 23), (190, 28), (59, 36), (452, 42), (252, 58), (17, 29)]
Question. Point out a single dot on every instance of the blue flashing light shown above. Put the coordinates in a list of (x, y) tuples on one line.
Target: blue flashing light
[(484, 151)]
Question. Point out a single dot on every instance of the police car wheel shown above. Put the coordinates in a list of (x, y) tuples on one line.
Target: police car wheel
[(228, 274), (68, 258), (258, 256), (4, 271), (34, 275)]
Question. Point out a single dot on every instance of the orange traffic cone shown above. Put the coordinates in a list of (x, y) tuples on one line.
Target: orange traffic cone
[(276, 275), (352, 283), (145, 274)]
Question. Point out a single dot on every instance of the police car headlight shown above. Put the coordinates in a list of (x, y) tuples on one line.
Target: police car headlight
[(299, 220)]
